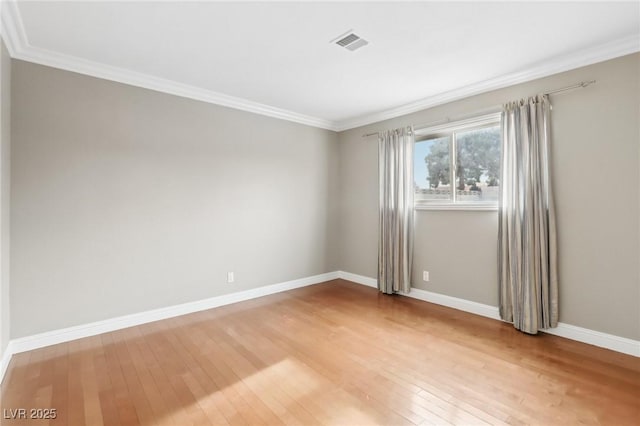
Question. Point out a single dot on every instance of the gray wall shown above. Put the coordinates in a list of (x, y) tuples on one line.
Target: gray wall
[(5, 185), (596, 158), (125, 199)]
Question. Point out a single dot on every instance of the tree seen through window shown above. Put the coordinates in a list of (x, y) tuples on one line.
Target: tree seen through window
[(459, 166)]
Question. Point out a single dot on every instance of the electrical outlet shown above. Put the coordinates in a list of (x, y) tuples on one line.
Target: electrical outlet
[(425, 275), (230, 277)]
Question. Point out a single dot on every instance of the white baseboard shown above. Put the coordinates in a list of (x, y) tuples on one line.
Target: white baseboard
[(609, 341), (456, 303), (53, 337), (597, 338), (360, 279), (580, 334), (4, 361)]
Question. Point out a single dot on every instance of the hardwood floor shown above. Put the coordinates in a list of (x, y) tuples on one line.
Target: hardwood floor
[(335, 353)]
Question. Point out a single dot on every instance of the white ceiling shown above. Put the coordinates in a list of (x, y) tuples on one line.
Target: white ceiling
[(277, 59)]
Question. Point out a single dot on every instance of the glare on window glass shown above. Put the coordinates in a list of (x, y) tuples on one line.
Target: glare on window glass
[(478, 164), (432, 169)]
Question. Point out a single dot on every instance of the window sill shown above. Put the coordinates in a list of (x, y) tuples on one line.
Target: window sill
[(457, 206)]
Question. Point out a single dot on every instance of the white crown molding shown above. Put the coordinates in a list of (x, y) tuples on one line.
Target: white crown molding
[(15, 38), (568, 331), (592, 55), (13, 33), (120, 75), (19, 48)]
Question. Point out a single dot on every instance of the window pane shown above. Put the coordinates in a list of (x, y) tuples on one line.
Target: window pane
[(478, 165), (432, 170)]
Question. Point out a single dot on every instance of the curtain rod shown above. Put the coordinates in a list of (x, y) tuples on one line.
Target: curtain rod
[(582, 84), (573, 86)]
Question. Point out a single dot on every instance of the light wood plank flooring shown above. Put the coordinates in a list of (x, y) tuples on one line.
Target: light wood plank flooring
[(334, 353)]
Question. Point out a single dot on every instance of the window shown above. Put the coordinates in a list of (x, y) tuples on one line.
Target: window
[(457, 165)]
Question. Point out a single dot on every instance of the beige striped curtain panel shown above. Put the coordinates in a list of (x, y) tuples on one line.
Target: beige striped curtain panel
[(395, 233), (527, 252)]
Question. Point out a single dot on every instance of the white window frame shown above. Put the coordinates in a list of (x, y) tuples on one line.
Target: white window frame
[(449, 129)]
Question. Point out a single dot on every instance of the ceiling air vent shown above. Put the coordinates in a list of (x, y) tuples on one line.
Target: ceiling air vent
[(350, 41)]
